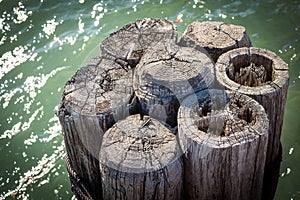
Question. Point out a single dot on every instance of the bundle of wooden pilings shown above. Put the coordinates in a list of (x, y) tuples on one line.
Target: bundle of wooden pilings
[(154, 118)]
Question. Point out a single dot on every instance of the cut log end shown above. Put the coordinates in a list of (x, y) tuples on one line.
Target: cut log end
[(165, 80), (149, 140), (266, 80), (232, 119), (224, 139), (140, 159), (215, 37), (102, 86), (251, 70), (133, 39), (222, 120), (260, 69)]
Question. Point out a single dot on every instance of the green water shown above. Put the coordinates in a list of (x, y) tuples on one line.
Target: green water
[(43, 43)]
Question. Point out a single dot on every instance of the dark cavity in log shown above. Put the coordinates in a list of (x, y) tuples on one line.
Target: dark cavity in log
[(225, 140), (269, 89), (235, 140), (222, 122), (251, 71)]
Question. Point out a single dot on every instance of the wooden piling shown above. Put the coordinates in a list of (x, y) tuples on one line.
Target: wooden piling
[(97, 96), (215, 37), (262, 75), (130, 42), (166, 74), (140, 159), (119, 115), (224, 140)]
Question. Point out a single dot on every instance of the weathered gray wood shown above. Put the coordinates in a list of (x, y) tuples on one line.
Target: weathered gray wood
[(228, 151), (77, 186), (270, 91), (224, 140), (215, 37), (130, 42), (97, 96), (166, 74), (140, 159)]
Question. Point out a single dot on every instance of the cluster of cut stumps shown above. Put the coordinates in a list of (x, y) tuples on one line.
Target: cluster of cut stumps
[(154, 118)]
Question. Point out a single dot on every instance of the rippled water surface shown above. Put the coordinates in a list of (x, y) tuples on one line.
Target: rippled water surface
[(43, 43)]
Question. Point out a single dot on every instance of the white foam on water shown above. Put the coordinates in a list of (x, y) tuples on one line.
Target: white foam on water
[(223, 16), (7, 96), (4, 26), (13, 131), (134, 8), (3, 39), (53, 131), (31, 140), (288, 170), (71, 39), (293, 57)]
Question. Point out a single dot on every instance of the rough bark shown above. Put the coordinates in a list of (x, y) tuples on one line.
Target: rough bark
[(97, 96), (166, 74), (130, 42), (224, 140), (269, 89), (140, 159), (215, 37)]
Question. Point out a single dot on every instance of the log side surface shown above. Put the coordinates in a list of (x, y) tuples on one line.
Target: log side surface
[(140, 159), (264, 76), (228, 143), (224, 140), (215, 37), (97, 96)]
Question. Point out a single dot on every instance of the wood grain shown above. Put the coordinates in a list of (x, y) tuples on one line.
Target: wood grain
[(140, 159), (215, 37), (222, 165), (130, 42), (163, 80), (270, 93), (97, 96)]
